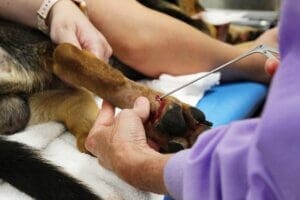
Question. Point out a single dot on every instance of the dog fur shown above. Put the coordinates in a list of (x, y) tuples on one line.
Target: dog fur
[(31, 93)]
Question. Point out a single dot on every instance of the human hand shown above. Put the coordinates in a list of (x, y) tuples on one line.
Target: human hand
[(270, 38), (120, 145), (69, 25), (120, 135), (255, 67), (271, 66)]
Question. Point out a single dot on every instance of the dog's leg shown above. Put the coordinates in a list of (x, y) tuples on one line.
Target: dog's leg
[(73, 107), (14, 113), (171, 121)]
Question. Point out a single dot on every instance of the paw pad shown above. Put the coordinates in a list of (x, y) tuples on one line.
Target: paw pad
[(176, 126)]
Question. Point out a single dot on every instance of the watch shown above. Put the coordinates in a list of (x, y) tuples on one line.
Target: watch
[(45, 9)]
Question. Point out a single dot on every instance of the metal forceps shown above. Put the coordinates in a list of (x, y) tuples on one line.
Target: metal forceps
[(269, 52)]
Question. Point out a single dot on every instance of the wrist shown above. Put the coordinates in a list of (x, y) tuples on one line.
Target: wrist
[(250, 68), (143, 170), (43, 13), (50, 8), (152, 171), (55, 10)]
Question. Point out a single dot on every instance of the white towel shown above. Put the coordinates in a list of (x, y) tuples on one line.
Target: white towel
[(58, 146), (191, 94)]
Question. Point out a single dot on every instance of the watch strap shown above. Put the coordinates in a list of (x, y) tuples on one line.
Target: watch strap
[(45, 9), (42, 15)]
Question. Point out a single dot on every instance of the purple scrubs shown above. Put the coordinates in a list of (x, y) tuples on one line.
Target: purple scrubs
[(251, 159)]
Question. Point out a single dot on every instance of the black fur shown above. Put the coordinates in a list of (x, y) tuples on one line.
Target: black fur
[(23, 48), (24, 169), (24, 44), (19, 165)]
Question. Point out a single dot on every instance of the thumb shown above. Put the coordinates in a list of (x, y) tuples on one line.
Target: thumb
[(93, 41), (102, 125), (100, 48), (106, 114), (142, 108), (271, 66), (105, 117)]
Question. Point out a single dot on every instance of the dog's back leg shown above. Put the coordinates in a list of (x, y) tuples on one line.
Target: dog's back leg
[(14, 113), (75, 108)]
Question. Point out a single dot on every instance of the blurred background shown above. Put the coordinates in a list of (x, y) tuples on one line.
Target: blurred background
[(261, 14), (270, 5)]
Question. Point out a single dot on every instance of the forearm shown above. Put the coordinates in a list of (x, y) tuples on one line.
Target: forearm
[(249, 69), (147, 171), (22, 11), (154, 43), (150, 41)]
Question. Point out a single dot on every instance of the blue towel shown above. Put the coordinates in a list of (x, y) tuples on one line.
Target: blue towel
[(229, 102)]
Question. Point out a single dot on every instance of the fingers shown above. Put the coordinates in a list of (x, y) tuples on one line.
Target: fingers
[(271, 66), (103, 122), (65, 35), (142, 108), (111, 133), (72, 26), (106, 114), (92, 40), (129, 123), (100, 48), (96, 43)]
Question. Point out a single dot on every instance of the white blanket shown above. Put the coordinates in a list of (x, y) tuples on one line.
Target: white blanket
[(58, 146)]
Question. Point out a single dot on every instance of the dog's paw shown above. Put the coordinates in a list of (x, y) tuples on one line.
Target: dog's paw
[(175, 126)]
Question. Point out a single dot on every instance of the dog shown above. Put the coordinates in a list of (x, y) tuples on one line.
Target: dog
[(31, 93)]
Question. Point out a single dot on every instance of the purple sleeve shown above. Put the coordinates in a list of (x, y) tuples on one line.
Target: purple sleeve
[(251, 159)]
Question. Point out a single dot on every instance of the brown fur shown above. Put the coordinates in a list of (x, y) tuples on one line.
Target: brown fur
[(29, 94), (84, 69), (75, 108), (27, 82), (28, 70)]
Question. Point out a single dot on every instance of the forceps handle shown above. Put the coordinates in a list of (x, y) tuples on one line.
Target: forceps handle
[(268, 51)]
